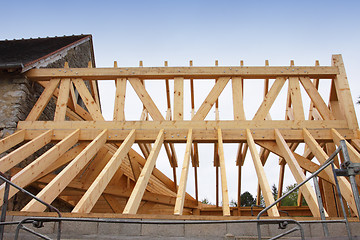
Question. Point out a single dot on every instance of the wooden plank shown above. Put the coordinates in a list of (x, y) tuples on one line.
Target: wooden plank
[(73, 98), (134, 167), (119, 114), (96, 165), (12, 140), (224, 188), (260, 172), (62, 100), (316, 98), (321, 156), (178, 98), (298, 109), (328, 196), (168, 111), (92, 195), (180, 197), (343, 92), (239, 190), (269, 99), (211, 99), (146, 99), (299, 176), (24, 151), (58, 184), (304, 163), (120, 191), (72, 111), (184, 125), (265, 72), (64, 159), (173, 155), (88, 100), (35, 168), (43, 100), (156, 173), (114, 203), (237, 94), (135, 198), (281, 183), (353, 154)]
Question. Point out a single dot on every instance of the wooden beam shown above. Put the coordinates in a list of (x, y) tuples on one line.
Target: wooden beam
[(269, 99), (178, 98), (211, 99), (180, 197), (59, 183), (298, 109), (119, 114), (113, 203), (64, 159), (73, 112), (281, 183), (321, 156), (12, 140), (224, 188), (135, 198), (134, 167), (123, 191), (146, 99), (185, 72), (88, 200), (24, 151), (237, 94), (43, 100), (260, 172), (299, 176), (207, 126), (62, 100), (304, 163), (35, 168), (316, 99), (88, 100), (353, 153), (239, 190), (343, 92)]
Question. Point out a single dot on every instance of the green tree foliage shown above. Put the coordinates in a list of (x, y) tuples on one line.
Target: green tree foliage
[(247, 199), (290, 200), (206, 201), (274, 191)]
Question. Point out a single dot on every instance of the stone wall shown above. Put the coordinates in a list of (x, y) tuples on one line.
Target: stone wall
[(18, 95)]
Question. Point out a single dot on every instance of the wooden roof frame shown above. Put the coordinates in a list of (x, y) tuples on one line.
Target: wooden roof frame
[(112, 140)]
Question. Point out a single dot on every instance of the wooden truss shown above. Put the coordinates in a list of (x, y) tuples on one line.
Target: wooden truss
[(91, 164)]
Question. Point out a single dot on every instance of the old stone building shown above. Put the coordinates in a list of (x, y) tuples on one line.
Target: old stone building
[(17, 94)]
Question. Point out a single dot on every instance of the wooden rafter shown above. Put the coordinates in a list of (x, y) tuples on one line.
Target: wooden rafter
[(91, 196), (55, 187), (134, 201)]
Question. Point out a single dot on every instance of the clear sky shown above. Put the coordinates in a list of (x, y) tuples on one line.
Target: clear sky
[(202, 31)]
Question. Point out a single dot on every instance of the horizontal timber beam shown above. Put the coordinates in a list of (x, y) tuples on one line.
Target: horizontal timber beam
[(185, 72), (203, 131)]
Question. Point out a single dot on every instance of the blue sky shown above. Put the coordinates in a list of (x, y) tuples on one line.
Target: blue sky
[(202, 31)]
